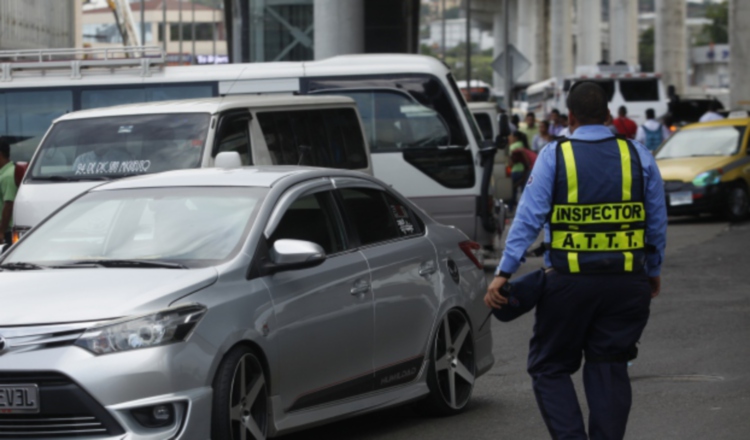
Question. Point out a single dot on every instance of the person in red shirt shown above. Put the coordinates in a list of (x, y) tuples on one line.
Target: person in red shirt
[(624, 125)]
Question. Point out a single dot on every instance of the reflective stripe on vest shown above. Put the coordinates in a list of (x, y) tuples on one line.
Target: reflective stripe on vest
[(598, 227)]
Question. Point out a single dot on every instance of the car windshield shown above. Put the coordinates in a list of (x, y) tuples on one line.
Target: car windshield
[(113, 147), (195, 227), (707, 141)]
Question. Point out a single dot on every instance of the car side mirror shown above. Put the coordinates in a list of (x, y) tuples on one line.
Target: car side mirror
[(289, 254), (228, 160)]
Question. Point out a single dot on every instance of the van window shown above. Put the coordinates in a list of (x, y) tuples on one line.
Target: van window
[(26, 116), (234, 135), (425, 89), (330, 138), (485, 124), (634, 90), (122, 146), (100, 97)]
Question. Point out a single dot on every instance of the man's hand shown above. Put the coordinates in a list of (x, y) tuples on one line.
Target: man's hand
[(493, 299), (655, 283)]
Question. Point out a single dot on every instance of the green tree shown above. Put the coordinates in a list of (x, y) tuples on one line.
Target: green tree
[(646, 50), (718, 31)]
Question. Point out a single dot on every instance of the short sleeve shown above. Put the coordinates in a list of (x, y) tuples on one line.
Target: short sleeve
[(8, 188)]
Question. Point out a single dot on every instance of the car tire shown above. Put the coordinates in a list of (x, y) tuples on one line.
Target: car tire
[(240, 398), (451, 370), (738, 203)]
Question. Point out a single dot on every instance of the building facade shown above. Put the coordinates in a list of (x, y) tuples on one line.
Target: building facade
[(39, 24)]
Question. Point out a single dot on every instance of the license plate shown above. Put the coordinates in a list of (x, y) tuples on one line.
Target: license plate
[(681, 198), (15, 399)]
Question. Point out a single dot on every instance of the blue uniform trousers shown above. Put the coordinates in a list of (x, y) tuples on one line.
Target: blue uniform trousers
[(602, 316)]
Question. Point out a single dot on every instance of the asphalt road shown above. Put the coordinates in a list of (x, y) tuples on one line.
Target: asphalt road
[(691, 380)]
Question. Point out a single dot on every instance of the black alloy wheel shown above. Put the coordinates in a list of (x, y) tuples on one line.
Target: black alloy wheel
[(452, 369), (240, 401), (738, 203)]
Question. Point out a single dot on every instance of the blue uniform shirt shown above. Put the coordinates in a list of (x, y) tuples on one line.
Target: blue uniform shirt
[(536, 203)]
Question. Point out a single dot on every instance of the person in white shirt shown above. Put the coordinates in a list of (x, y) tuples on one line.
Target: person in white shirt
[(652, 133), (711, 114)]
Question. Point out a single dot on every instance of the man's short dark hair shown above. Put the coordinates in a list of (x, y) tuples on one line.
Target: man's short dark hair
[(4, 149), (714, 106), (588, 102), (650, 114), (531, 115), (555, 111), (622, 111)]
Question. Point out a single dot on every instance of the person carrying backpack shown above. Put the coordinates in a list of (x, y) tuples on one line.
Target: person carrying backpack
[(652, 133)]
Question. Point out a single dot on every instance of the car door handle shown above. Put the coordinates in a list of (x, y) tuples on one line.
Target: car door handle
[(360, 287), (427, 268)]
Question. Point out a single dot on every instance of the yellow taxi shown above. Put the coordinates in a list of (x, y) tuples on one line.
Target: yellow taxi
[(706, 169)]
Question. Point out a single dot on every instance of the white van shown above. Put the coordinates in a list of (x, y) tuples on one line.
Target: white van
[(83, 148), (624, 85), (486, 116)]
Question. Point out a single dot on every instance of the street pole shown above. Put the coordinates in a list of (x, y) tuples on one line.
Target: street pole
[(143, 23), (192, 31), (442, 35), (468, 49), (179, 31), (164, 28), (508, 61)]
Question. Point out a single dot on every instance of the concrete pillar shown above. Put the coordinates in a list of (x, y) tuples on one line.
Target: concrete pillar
[(589, 35), (623, 31), (739, 61), (561, 39), (527, 36), (541, 63), (670, 50), (339, 27)]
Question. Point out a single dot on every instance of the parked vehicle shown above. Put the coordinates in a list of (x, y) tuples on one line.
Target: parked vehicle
[(624, 85), (84, 148), (422, 136), (261, 299), (706, 169)]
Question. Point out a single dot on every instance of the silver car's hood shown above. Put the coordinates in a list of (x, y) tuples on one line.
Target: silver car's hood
[(74, 295)]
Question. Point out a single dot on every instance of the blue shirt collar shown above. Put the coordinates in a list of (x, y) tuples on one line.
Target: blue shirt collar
[(591, 133)]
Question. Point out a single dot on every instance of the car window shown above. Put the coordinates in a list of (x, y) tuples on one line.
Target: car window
[(312, 218), (234, 135), (485, 124), (633, 90), (376, 216), (330, 138)]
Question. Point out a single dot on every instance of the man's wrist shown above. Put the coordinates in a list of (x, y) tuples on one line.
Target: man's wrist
[(500, 273)]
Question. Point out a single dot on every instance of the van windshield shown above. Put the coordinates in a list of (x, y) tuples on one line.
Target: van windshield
[(119, 146)]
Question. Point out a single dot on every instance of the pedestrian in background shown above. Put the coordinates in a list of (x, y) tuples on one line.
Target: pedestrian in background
[(712, 113), (652, 133), (530, 128), (555, 122), (519, 164), (609, 124), (542, 138), (601, 202), (625, 126), (515, 121), (565, 132), (8, 190)]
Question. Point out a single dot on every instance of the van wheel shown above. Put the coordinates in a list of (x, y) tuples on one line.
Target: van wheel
[(452, 369), (240, 401), (738, 203)]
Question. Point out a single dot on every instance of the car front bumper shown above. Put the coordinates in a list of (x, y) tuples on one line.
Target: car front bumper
[(708, 199), (92, 397)]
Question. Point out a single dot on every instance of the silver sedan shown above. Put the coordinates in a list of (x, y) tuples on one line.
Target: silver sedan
[(262, 299)]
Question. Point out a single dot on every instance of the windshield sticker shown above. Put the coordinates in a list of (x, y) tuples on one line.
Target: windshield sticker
[(125, 129), (399, 211), (405, 226), (113, 167)]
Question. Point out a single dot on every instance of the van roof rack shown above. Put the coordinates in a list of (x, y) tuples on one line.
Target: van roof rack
[(141, 58)]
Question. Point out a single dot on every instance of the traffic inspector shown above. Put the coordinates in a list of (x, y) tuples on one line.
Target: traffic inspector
[(600, 200)]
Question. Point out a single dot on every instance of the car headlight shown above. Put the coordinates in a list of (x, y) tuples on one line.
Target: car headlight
[(708, 178), (160, 328)]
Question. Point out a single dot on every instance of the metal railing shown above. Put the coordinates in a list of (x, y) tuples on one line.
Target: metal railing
[(140, 57)]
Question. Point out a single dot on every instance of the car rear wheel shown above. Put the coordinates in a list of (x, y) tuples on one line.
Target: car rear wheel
[(452, 369), (240, 401), (738, 203)]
